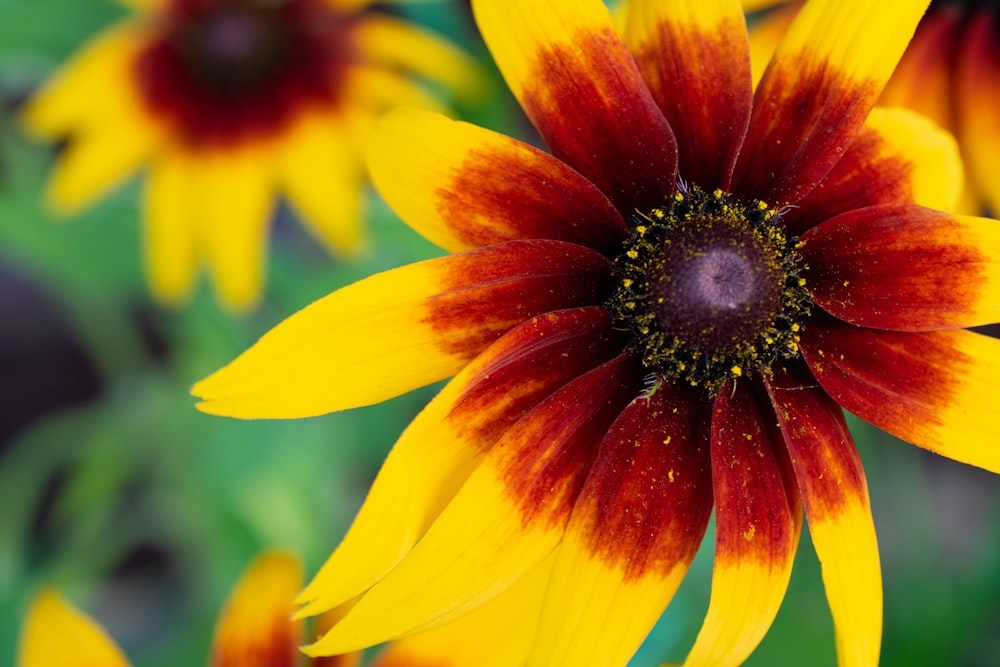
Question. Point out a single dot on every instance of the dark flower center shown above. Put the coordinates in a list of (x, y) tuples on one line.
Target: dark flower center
[(710, 287), (224, 71)]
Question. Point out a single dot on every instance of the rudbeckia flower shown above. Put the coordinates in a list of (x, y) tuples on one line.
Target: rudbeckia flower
[(228, 103), (950, 73), (256, 629), (664, 315)]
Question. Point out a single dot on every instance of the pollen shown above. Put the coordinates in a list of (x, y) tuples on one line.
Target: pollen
[(710, 287)]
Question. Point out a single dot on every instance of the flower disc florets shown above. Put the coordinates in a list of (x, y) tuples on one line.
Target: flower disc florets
[(711, 287)]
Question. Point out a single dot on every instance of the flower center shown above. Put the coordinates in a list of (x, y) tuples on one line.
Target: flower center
[(233, 45), (711, 288), (224, 71)]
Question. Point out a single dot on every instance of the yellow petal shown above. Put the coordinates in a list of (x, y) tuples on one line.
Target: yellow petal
[(832, 481), (634, 530), (937, 173), (235, 199), (402, 45), (56, 634), (497, 634), (758, 520), (401, 329), (462, 186), (824, 78), (171, 240), (476, 549), (96, 83), (766, 34), (505, 520), (95, 163), (898, 157), (323, 177), (578, 83), (977, 94), (436, 453), (935, 389), (255, 629), (374, 90)]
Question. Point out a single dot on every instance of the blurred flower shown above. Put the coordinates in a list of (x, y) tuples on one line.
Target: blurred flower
[(950, 72), (229, 102), (665, 315), (255, 629)]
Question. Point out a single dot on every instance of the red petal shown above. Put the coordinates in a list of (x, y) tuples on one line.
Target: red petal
[(695, 58)]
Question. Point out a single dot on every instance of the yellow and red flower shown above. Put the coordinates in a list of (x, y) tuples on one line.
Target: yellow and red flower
[(950, 73), (256, 629), (664, 315), (228, 103)]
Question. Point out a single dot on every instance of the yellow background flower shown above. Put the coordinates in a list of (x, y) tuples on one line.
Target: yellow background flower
[(229, 103)]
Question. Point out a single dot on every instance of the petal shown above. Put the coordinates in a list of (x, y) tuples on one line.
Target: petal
[(234, 199), (977, 93), (436, 453), (373, 89), (815, 95), (255, 628), (401, 45), (401, 329), (922, 80), (171, 242), (905, 267), (509, 515), (95, 83), (321, 626), (899, 157), (56, 633), (143, 5), (693, 56), (757, 525), (566, 64), (832, 482), (463, 187), (935, 389), (766, 34), (95, 163), (634, 530), (497, 634), (323, 176)]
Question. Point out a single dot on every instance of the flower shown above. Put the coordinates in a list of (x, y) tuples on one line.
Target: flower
[(663, 316), (229, 102), (255, 629), (950, 73)]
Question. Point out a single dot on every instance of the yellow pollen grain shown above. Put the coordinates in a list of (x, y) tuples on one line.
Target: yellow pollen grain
[(736, 371), (667, 441), (749, 533), (670, 475), (632, 254)]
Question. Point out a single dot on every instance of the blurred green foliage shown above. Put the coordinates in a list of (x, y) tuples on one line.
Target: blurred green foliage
[(145, 511)]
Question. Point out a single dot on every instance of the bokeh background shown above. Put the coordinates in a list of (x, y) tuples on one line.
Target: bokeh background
[(144, 511)]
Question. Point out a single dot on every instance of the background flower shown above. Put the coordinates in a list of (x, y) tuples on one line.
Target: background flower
[(229, 103)]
